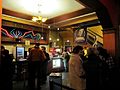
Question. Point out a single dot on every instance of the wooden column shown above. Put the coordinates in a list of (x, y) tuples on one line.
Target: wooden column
[(109, 40), (0, 26), (0, 20)]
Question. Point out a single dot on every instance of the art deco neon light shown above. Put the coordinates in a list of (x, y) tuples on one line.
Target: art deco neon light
[(17, 34)]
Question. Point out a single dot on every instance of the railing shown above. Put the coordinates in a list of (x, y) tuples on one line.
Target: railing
[(93, 33), (52, 83), (93, 37)]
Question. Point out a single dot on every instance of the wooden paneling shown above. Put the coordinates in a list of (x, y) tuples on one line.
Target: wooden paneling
[(52, 20), (109, 41), (0, 24), (16, 14)]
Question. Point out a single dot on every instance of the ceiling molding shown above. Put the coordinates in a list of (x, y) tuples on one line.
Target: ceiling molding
[(101, 12), (16, 14), (79, 1), (21, 20), (77, 20), (49, 21), (68, 16)]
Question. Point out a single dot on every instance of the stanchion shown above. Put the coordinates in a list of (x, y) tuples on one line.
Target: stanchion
[(51, 84)]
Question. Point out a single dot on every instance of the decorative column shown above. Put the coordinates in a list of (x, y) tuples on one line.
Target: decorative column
[(109, 40), (0, 19), (0, 26)]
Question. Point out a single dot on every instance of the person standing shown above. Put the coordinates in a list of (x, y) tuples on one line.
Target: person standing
[(36, 57), (6, 70), (76, 71), (108, 67), (44, 65), (67, 57), (93, 70)]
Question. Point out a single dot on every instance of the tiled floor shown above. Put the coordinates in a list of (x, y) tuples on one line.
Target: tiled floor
[(20, 84), (65, 80)]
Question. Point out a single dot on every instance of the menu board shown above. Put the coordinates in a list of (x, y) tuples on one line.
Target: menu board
[(20, 53)]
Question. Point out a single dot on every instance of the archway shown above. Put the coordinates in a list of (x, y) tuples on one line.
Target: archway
[(107, 12)]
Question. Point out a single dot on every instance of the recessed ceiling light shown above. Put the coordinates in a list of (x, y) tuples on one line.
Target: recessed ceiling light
[(68, 40), (48, 26), (58, 28)]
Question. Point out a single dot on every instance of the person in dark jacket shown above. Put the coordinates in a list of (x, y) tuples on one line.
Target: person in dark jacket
[(92, 69), (35, 58), (44, 65), (6, 70), (107, 68)]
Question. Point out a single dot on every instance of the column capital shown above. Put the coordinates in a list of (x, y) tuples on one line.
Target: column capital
[(109, 30)]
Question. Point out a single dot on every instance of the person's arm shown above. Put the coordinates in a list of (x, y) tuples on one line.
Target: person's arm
[(43, 57), (48, 57), (30, 55), (79, 69)]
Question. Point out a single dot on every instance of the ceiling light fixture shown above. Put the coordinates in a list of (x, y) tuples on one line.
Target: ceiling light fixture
[(50, 38), (58, 28), (58, 39), (68, 40), (39, 19)]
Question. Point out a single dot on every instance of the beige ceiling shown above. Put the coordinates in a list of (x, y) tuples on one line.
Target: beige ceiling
[(62, 13), (47, 8)]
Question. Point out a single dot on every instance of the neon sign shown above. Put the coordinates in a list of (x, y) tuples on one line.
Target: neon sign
[(18, 34)]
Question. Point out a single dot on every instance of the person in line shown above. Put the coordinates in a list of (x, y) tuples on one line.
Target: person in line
[(44, 65), (67, 57), (36, 57), (76, 71), (106, 57), (107, 68), (92, 69), (6, 70)]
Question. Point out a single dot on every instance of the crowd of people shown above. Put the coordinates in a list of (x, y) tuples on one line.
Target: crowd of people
[(37, 65), (6, 70), (37, 68), (93, 70)]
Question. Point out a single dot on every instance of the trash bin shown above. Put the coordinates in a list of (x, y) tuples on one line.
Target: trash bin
[(55, 81)]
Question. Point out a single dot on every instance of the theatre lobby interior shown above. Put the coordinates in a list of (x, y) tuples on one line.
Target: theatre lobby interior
[(48, 44)]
